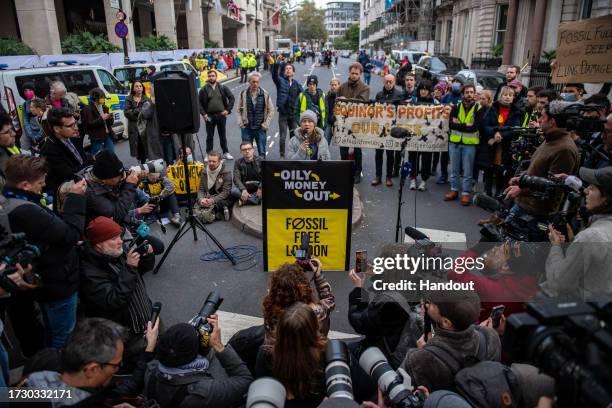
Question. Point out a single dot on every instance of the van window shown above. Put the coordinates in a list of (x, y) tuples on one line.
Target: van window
[(110, 83), (172, 67), (79, 82)]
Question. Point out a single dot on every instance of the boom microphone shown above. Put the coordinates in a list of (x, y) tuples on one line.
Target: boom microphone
[(415, 234), (399, 133), (485, 202)]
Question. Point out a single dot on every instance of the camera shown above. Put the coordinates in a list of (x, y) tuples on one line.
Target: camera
[(396, 386), (303, 254), (16, 250), (152, 166), (337, 371), (200, 321), (570, 341), (576, 120), (266, 392)]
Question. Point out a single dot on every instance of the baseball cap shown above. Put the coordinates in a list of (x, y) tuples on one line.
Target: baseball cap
[(602, 178)]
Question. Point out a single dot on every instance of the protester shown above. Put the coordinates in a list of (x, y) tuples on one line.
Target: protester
[(216, 103), (215, 197), (38, 108), (159, 187), (31, 126), (247, 175), (572, 92), (287, 90), (512, 73), (308, 142), (98, 122), (7, 138), (409, 87), (421, 161), (137, 134), (255, 113), (312, 99), (354, 88), (389, 94), (330, 104)]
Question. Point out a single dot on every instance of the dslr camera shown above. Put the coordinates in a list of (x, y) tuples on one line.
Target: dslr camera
[(200, 321), (16, 250), (152, 166)]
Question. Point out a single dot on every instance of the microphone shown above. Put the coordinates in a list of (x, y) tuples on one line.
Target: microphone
[(574, 183), (415, 234), (399, 133), (485, 202)]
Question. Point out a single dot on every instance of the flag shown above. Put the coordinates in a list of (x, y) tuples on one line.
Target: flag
[(232, 10), (218, 7), (275, 18)]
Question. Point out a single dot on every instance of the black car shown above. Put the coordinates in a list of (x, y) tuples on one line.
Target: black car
[(438, 68), (488, 79)]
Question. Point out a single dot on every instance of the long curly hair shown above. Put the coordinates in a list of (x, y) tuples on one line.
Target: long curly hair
[(288, 284)]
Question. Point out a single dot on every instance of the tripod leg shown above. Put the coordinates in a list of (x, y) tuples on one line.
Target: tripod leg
[(199, 224), (179, 234)]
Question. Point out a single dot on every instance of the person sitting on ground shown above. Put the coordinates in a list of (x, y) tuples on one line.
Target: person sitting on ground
[(247, 175), (186, 375), (215, 198), (159, 187), (309, 142), (453, 313)]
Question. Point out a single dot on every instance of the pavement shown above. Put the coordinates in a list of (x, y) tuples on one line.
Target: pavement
[(185, 279)]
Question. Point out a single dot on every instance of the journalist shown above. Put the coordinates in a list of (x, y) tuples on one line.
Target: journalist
[(558, 154), (247, 175), (159, 187), (584, 268), (57, 238), (601, 156), (184, 375)]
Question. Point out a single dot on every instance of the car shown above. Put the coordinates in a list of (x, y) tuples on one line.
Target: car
[(346, 54), (488, 79), (413, 56), (438, 68)]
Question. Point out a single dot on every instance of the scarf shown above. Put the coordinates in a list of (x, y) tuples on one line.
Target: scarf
[(211, 176)]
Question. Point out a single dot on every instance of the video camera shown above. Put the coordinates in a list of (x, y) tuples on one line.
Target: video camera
[(570, 341), (200, 321), (16, 250), (395, 386), (576, 120)]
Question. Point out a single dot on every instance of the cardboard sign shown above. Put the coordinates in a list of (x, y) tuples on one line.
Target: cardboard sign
[(368, 125), (307, 197), (584, 51)]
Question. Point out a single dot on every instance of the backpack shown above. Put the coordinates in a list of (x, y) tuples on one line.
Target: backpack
[(484, 384)]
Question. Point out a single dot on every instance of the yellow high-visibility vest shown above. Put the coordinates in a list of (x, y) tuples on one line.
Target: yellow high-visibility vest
[(467, 138), (14, 150), (303, 107)]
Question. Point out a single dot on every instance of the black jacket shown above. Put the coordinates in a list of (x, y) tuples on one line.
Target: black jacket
[(226, 94), (222, 385), (330, 105), (486, 153), (240, 170), (57, 238), (523, 93), (63, 165), (385, 96), (108, 202)]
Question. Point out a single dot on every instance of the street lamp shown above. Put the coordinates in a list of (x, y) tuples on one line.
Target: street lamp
[(291, 10)]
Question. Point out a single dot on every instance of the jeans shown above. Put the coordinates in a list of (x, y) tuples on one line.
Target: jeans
[(367, 77), (216, 120), (378, 158), (344, 155), (169, 203), (259, 135), (60, 319), (168, 148), (462, 160), (107, 142), (286, 122)]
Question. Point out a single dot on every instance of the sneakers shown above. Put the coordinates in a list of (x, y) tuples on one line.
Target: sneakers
[(451, 195), (226, 213), (413, 185), (423, 185), (466, 200), (376, 181), (176, 219), (442, 179), (228, 156)]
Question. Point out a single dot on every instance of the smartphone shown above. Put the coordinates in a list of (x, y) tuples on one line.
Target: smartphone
[(361, 261), (496, 314), (156, 311)]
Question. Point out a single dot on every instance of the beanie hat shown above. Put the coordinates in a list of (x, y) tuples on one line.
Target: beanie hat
[(308, 114), (178, 345), (516, 82), (101, 229), (312, 79), (107, 165), (442, 86)]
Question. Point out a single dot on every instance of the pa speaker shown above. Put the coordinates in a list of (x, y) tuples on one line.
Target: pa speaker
[(176, 101)]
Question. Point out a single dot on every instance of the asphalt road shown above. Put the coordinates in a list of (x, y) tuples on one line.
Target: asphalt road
[(184, 280)]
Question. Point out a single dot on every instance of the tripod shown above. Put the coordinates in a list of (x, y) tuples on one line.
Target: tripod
[(404, 172), (191, 222)]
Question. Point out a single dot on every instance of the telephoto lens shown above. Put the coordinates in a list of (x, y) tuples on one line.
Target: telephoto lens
[(337, 371), (266, 392), (153, 166)]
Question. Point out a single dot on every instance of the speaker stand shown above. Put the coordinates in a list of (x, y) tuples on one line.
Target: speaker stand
[(191, 222)]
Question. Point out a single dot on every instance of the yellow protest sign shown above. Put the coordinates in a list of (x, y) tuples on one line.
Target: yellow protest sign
[(176, 173)]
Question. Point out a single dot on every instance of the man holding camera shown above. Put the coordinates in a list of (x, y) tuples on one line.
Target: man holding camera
[(57, 267), (557, 155), (185, 375), (111, 283), (247, 175)]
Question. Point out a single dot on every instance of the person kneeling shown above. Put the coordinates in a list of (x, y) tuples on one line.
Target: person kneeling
[(308, 142), (160, 190), (215, 196), (247, 175)]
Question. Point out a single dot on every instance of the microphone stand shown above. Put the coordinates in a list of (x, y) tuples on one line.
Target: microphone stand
[(404, 172)]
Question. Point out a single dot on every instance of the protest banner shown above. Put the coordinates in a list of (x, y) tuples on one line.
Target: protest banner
[(584, 51), (176, 173), (368, 125), (307, 197)]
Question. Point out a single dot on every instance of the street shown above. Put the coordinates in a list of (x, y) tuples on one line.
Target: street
[(184, 280)]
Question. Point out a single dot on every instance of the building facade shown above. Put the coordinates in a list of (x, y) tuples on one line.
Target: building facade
[(516, 31), (340, 15), (43, 24)]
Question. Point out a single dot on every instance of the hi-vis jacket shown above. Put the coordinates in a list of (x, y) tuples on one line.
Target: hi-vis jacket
[(466, 131), (307, 101)]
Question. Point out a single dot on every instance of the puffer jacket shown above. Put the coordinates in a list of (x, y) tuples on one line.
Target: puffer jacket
[(243, 118), (286, 93), (295, 152)]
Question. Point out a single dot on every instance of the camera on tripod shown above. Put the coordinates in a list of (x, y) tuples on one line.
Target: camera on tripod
[(570, 341), (16, 250), (200, 321)]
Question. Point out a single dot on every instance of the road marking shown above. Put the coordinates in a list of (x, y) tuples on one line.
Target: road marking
[(271, 144), (234, 322), (446, 239)]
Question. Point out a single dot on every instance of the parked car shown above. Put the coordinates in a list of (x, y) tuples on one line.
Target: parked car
[(413, 56), (488, 79), (346, 54), (438, 68)]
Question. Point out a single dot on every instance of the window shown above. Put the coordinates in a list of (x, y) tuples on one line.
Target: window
[(585, 9), (500, 24), (129, 74), (110, 83), (172, 67)]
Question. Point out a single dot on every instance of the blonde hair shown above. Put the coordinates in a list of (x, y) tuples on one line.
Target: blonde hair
[(335, 80), (504, 91)]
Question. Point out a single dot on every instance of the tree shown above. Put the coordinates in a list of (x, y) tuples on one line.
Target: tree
[(85, 42), (12, 46), (154, 43), (310, 23), (350, 39)]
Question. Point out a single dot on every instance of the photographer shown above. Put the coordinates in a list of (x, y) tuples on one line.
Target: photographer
[(57, 238), (247, 175), (558, 154), (183, 377), (161, 189), (585, 269), (453, 313)]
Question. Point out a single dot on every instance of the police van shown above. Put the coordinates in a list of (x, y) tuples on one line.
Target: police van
[(79, 79)]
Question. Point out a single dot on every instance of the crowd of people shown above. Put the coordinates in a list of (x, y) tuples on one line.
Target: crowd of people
[(82, 314)]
